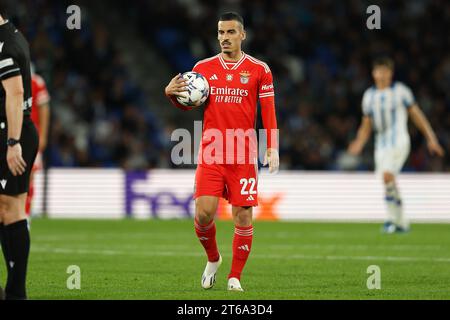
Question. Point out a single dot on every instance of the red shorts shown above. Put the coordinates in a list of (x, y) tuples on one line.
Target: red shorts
[(237, 183)]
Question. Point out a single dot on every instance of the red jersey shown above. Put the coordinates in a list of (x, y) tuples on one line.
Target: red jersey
[(40, 97), (235, 88)]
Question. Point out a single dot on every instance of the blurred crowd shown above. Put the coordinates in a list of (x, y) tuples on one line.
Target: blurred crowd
[(320, 53), (100, 117)]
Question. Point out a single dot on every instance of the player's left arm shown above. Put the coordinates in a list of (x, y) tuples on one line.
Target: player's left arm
[(422, 123), (267, 100), (14, 114), (42, 100), (44, 120)]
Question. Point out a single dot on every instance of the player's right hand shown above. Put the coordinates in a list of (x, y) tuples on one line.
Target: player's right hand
[(272, 158), (355, 148), (176, 87), (16, 164), (435, 148)]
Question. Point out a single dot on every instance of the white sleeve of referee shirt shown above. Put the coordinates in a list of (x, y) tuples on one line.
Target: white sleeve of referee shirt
[(8, 66)]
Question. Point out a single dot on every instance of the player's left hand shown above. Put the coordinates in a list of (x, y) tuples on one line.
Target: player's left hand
[(435, 148), (16, 164), (272, 159)]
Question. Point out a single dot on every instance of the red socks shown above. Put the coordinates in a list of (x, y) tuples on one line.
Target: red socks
[(207, 236), (242, 244)]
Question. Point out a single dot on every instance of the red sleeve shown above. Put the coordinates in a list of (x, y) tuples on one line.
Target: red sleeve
[(269, 119), (267, 100), (41, 94)]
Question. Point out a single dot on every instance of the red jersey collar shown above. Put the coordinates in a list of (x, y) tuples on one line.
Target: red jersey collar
[(235, 66)]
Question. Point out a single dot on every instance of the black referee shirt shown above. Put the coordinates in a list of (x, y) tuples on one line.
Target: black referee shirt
[(14, 61)]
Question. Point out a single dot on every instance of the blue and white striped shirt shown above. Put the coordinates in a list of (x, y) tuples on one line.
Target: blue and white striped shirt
[(388, 111)]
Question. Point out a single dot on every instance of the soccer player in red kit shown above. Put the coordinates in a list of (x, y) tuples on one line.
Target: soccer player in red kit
[(40, 115), (236, 81)]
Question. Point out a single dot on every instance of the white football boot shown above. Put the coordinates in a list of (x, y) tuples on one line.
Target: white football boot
[(234, 285), (209, 275)]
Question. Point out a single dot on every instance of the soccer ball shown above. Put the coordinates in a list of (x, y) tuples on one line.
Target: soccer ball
[(198, 90)]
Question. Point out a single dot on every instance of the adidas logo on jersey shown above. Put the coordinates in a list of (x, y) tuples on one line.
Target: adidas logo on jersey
[(213, 77), (202, 238), (244, 247), (250, 198), (3, 183)]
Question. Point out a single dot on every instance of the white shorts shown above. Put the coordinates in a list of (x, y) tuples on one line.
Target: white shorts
[(391, 159)]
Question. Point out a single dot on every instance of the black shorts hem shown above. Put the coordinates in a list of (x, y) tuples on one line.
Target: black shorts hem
[(29, 140)]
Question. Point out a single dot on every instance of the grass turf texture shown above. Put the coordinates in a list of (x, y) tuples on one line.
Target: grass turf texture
[(156, 259)]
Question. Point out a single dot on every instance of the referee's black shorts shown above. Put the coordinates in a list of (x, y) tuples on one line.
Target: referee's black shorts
[(29, 140)]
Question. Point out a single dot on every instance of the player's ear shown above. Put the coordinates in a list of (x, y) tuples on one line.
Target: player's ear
[(244, 35)]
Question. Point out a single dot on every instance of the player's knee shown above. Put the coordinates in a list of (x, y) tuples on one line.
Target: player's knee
[(243, 217), (12, 209), (388, 177), (205, 209), (243, 220), (3, 209), (204, 215)]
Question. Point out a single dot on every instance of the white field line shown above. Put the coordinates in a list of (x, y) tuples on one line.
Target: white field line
[(396, 247), (399, 247), (253, 256), (155, 235)]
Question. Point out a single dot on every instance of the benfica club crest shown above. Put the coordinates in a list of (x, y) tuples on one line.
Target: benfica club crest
[(245, 76), (229, 77)]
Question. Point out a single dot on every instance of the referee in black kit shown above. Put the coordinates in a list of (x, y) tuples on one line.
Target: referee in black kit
[(18, 148)]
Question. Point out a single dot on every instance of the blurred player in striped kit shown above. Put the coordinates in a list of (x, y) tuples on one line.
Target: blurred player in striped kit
[(386, 107)]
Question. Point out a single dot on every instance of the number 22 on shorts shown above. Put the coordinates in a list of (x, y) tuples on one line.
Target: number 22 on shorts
[(245, 182)]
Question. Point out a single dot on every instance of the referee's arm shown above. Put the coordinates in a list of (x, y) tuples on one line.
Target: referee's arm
[(14, 115)]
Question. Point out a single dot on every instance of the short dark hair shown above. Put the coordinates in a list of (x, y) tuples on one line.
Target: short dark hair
[(383, 61), (232, 16)]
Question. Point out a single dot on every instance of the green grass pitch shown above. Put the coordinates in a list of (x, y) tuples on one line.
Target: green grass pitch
[(162, 259)]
